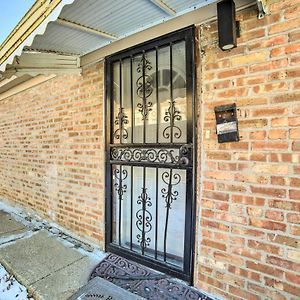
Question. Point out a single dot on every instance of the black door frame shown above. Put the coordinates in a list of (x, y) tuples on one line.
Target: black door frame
[(187, 34)]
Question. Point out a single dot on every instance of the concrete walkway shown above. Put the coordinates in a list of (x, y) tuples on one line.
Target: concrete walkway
[(49, 267)]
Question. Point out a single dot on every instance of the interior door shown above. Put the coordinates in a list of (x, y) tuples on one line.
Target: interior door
[(150, 153)]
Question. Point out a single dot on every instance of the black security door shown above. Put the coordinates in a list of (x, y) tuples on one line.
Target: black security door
[(150, 154)]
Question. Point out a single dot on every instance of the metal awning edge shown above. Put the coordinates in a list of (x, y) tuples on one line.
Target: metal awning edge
[(41, 28)]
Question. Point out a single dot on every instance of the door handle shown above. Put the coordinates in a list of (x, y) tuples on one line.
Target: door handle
[(185, 156)]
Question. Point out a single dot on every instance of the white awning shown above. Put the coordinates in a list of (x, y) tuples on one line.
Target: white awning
[(77, 27)]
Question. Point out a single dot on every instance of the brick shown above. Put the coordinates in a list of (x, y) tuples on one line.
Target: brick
[(218, 175), (295, 133), (284, 26), (264, 269), (270, 225), (296, 146), (274, 295), (294, 36), (294, 121), (269, 65), (291, 48), (294, 255), (248, 200), (243, 294), (292, 12), (267, 43), (284, 204), (214, 244), (293, 218), (255, 211), (295, 182), (249, 59), (283, 263), (291, 289), (277, 180), (280, 122), (258, 135), (266, 112), (232, 73), (295, 60), (295, 194), (244, 273), (264, 247), (271, 87), (242, 92), (256, 123), (293, 278), (284, 240), (274, 215), (295, 230), (270, 145), (289, 97), (276, 6), (278, 134), (270, 168)]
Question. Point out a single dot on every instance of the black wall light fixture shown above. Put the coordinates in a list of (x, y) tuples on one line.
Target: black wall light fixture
[(228, 27)]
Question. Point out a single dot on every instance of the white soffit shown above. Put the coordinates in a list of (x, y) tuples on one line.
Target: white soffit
[(114, 18), (78, 27)]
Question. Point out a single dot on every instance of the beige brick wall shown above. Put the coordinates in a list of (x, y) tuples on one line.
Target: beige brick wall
[(51, 151), (248, 200)]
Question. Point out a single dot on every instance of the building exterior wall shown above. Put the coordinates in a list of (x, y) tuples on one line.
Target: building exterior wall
[(247, 239), (51, 151), (248, 200)]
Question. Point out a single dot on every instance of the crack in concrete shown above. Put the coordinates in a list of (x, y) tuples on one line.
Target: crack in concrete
[(6, 241), (52, 273)]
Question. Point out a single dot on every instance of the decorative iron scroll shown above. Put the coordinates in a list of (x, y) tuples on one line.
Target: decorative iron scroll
[(167, 193), (172, 115), (145, 155), (119, 186), (170, 179), (120, 120), (144, 87), (144, 219)]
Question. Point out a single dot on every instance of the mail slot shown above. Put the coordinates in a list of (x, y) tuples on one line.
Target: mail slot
[(227, 124)]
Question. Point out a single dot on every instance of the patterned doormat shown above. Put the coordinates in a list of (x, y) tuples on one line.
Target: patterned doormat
[(143, 281)]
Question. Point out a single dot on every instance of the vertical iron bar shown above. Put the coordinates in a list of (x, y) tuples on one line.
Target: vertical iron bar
[(131, 205), (157, 96), (144, 96), (171, 94), (132, 139), (121, 108), (120, 203), (167, 214), (131, 95), (144, 210), (156, 213)]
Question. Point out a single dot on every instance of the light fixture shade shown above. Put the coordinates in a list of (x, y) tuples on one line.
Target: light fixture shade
[(226, 24)]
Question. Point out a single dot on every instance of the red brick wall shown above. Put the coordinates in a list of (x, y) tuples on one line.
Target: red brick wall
[(249, 226), (51, 151), (247, 241)]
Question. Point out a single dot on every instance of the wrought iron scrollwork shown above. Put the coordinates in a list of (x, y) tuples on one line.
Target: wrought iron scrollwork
[(120, 176), (170, 179), (145, 155), (144, 219), (144, 87), (167, 193), (172, 115), (120, 120)]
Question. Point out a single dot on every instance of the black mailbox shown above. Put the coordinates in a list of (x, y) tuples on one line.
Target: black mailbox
[(227, 124)]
